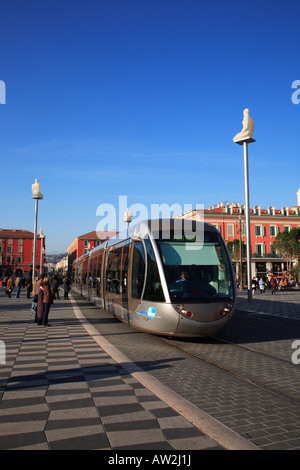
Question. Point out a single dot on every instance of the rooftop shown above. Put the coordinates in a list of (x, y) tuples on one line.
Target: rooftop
[(14, 233), (98, 235)]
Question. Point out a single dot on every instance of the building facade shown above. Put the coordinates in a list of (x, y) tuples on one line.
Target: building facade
[(265, 224), (62, 266), (16, 252), (85, 243)]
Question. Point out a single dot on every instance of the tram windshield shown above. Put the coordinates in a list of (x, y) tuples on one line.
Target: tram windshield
[(197, 271)]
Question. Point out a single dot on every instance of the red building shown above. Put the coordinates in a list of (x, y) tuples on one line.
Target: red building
[(265, 224), (85, 243), (16, 252)]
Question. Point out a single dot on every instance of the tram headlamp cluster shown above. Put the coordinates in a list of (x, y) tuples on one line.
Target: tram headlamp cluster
[(225, 310), (181, 309), (185, 312)]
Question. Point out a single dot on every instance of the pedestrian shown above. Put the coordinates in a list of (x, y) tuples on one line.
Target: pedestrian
[(29, 288), (35, 291), (40, 302), (47, 300), (274, 286), (253, 285), (55, 287), (66, 287), (18, 285), (9, 286), (262, 286), (283, 284)]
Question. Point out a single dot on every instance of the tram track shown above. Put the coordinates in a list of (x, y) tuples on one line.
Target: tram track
[(247, 348), (241, 376), (255, 394), (209, 348)]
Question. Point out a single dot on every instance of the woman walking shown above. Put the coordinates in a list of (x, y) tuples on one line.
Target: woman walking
[(40, 303), (10, 286), (274, 286), (47, 300), (35, 291), (262, 286)]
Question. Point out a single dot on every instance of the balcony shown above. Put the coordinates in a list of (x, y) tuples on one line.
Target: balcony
[(266, 255)]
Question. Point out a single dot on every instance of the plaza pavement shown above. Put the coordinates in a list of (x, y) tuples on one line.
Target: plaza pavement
[(283, 304), (65, 387)]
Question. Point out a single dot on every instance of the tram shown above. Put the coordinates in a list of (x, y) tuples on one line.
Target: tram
[(159, 280)]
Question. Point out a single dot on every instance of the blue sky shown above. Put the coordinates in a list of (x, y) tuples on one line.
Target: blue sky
[(142, 98)]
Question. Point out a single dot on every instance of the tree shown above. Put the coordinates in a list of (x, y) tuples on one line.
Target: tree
[(235, 247), (287, 244)]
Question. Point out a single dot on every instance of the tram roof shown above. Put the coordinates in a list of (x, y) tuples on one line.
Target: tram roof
[(154, 226)]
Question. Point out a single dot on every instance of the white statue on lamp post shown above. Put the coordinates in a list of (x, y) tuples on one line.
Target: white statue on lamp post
[(244, 138)]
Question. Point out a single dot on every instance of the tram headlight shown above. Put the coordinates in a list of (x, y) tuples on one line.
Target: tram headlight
[(225, 310), (183, 311)]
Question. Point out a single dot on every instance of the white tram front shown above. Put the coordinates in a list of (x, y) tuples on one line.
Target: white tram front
[(160, 280)]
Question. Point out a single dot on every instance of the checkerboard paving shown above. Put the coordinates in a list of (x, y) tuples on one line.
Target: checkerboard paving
[(60, 390)]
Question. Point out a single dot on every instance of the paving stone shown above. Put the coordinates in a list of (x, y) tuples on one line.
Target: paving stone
[(60, 390)]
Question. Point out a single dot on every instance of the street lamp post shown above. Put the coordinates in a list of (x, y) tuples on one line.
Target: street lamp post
[(127, 218), (244, 138), (36, 194), (42, 237), (240, 232)]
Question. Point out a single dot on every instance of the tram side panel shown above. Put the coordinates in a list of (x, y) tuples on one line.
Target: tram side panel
[(76, 276), (115, 280), (99, 299), (133, 291), (95, 290), (148, 309), (84, 277)]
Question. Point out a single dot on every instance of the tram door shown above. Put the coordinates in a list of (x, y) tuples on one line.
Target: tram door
[(136, 276), (115, 283), (124, 281)]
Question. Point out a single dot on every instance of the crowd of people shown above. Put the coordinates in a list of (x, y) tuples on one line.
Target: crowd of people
[(274, 284), (43, 291)]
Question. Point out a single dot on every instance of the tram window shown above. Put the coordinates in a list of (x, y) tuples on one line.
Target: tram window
[(202, 272), (138, 270), (113, 267), (98, 275), (78, 274), (153, 289), (125, 254), (108, 270), (93, 279), (84, 271), (79, 271), (90, 273)]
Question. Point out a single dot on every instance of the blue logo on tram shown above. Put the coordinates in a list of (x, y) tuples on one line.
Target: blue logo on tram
[(151, 312)]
